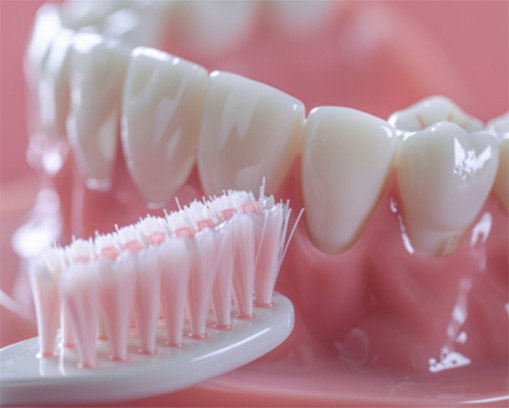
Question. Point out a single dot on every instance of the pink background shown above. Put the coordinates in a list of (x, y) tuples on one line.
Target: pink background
[(473, 34)]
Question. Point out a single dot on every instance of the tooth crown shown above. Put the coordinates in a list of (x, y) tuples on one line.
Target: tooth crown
[(162, 103), (345, 161), (444, 176), (97, 70), (249, 131)]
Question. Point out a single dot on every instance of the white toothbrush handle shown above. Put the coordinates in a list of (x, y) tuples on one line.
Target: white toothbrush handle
[(25, 379)]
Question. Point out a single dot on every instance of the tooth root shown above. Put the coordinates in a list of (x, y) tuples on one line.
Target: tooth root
[(96, 76), (345, 161), (249, 131), (430, 111), (162, 105), (444, 176), (500, 126)]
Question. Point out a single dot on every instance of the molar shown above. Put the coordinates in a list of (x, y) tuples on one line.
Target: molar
[(346, 158), (430, 111), (96, 71), (500, 125), (445, 175), (249, 131), (162, 103)]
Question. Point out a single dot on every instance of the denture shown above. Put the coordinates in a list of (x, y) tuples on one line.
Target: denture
[(398, 272)]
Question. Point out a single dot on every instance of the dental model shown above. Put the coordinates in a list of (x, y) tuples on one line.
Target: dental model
[(399, 274), (193, 260)]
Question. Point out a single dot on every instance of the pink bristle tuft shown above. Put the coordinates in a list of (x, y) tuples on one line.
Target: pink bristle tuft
[(190, 262)]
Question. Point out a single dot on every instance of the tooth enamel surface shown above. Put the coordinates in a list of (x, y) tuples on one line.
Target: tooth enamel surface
[(53, 87), (444, 176), (430, 111), (162, 105), (249, 131), (500, 126), (345, 160), (96, 75)]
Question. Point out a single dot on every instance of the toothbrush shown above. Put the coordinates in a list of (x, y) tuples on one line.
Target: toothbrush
[(148, 309)]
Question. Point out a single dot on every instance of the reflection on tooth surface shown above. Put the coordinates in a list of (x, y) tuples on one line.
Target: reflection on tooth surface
[(444, 176), (162, 103), (249, 131), (346, 158)]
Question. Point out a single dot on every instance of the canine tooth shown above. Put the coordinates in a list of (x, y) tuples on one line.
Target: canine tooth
[(345, 161), (249, 131), (445, 175), (162, 103), (96, 75), (500, 126), (430, 111)]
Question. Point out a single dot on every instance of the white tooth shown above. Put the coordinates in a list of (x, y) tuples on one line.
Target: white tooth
[(249, 131), (85, 13), (430, 111), (500, 126), (345, 160), (303, 16), (53, 87), (162, 104), (445, 176), (47, 25), (213, 26), (96, 75)]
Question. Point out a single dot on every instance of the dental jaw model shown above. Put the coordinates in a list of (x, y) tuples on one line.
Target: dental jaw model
[(398, 275)]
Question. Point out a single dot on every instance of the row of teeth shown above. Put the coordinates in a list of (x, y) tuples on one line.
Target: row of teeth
[(238, 131), (189, 262)]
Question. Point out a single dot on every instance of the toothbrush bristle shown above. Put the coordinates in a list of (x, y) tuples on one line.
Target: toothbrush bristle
[(220, 255)]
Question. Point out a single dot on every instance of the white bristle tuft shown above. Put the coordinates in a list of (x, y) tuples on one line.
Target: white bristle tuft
[(222, 255)]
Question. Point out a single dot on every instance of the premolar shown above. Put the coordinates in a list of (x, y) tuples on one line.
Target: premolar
[(346, 158), (500, 126), (162, 104), (96, 75), (249, 131), (445, 175)]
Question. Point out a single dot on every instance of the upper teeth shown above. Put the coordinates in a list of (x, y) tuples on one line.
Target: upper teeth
[(249, 131), (243, 131), (162, 105), (96, 75)]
